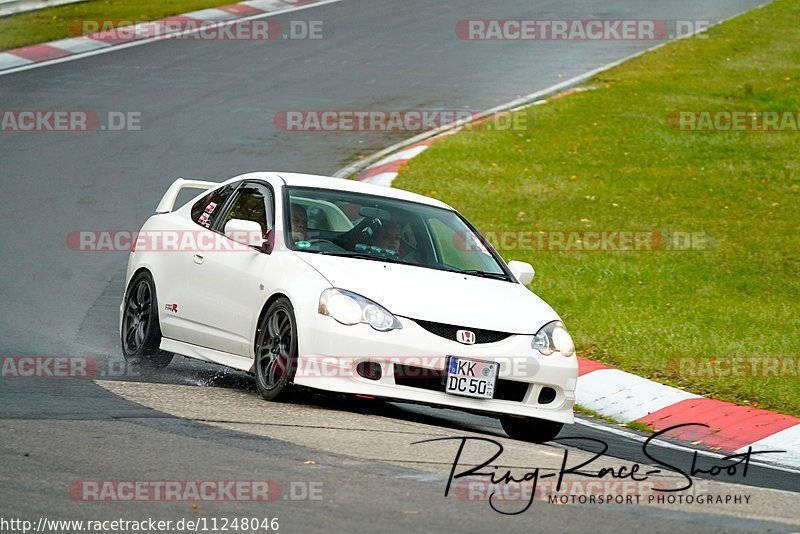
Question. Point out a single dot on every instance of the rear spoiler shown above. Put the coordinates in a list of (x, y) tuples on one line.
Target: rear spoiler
[(168, 200)]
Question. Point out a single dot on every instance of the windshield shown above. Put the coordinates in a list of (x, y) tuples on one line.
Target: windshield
[(372, 227)]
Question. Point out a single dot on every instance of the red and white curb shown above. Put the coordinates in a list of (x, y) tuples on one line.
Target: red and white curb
[(156, 30), (626, 397), (386, 170)]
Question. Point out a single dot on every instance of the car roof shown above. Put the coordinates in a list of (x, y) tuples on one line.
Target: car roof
[(340, 184)]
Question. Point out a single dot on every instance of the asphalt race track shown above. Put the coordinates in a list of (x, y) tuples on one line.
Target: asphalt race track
[(207, 113)]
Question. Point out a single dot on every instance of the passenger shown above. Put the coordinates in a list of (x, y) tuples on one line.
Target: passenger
[(299, 223)]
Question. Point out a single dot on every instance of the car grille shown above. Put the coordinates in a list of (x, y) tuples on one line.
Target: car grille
[(448, 331), (434, 380)]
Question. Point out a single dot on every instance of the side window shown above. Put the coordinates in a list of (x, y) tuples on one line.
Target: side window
[(253, 202), (205, 209)]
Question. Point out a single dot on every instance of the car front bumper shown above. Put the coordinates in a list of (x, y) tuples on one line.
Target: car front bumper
[(329, 355)]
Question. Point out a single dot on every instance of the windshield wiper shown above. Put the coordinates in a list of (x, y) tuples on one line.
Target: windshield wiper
[(484, 274), (358, 255)]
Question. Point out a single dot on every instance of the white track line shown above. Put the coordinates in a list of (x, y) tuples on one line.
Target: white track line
[(114, 48), (668, 445)]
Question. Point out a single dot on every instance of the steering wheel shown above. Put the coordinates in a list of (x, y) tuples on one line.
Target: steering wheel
[(353, 235)]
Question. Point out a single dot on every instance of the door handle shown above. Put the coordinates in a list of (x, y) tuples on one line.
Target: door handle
[(198, 258)]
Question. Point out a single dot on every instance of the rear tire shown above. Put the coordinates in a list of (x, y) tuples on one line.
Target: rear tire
[(276, 351), (141, 331), (530, 429)]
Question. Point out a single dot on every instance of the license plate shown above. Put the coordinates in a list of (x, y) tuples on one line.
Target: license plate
[(471, 378)]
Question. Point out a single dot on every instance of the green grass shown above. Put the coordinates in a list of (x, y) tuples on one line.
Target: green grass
[(606, 159), (633, 425), (60, 22)]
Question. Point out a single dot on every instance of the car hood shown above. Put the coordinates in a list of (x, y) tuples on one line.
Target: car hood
[(438, 296)]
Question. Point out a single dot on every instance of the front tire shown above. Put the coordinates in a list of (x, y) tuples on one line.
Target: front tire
[(276, 351), (530, 429), (141, 331)]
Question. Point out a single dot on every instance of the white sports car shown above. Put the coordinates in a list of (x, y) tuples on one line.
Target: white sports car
[(347, 287)]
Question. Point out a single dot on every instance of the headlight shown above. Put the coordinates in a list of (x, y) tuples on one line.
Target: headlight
[(349, 308), (553, 337)]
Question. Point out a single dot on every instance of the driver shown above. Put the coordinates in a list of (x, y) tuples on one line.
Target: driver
[(299, 223), (390, 236)]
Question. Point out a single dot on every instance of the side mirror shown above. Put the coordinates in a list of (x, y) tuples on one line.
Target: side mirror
[(245, 232), (522, 271)]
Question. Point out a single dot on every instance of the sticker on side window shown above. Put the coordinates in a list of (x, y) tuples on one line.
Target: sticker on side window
[(211, 207), (205, 220)]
